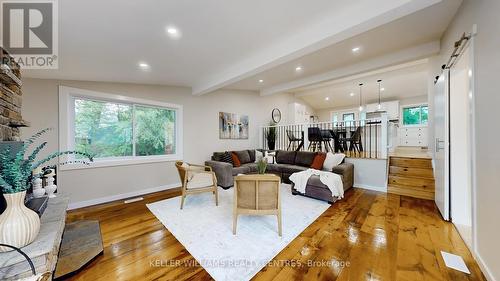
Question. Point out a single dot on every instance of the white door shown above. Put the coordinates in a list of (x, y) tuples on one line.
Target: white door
[(441, 145), (461, 148)]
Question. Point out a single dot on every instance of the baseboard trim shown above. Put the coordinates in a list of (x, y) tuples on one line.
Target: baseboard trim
[(371, 187), (482, 265), (107, 199)]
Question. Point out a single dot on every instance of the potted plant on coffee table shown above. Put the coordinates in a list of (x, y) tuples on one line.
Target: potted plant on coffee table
[(262, 166), (19, 225)]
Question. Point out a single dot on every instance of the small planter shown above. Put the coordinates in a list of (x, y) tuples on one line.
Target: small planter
[(19, 226)]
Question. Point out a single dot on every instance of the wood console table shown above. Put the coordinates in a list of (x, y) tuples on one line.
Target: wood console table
[(44, 250)]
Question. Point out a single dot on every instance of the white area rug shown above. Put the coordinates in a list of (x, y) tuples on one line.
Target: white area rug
[(206, 231)]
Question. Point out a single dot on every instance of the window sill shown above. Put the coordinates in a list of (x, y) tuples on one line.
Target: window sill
[(414, 126), (102, 163)]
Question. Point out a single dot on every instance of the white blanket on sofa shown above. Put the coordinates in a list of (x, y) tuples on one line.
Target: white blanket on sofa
[(332, 180)]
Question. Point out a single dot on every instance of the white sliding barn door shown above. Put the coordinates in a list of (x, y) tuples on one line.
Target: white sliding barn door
[(461, 148), (441, 145)]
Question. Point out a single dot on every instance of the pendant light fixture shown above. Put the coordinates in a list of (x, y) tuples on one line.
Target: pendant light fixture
[(379, 107), (379, 104), (360, 97)]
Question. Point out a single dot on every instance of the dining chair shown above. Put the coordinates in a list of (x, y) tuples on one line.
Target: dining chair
[(354, 141), (327, 137), (315, 138), (294, 142)]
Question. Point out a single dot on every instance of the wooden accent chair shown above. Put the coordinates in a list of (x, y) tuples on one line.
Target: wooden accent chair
[(196, 179), (257, 195)]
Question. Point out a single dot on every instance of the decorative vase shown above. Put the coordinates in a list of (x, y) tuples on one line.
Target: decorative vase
[(19, 225), (38, 190)]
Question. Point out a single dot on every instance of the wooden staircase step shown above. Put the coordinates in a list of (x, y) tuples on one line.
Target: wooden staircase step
[(411, 181), (413, 177), (412, 192), (411, 162), (412, 172)]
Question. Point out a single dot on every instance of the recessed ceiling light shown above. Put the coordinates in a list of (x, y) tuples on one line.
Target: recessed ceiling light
[(261, 81), (173, 32), (327, 98), (144, 66), (298, 68), (356, 49), (382, 89), (351, 94)]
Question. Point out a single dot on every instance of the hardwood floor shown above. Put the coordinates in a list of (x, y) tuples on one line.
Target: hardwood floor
[(366, 236)]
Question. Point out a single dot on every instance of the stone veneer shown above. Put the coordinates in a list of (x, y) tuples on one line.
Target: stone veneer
[(10, 98)]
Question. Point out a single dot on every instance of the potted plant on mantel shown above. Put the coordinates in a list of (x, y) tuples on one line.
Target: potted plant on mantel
[(271, 136), (19, 225)]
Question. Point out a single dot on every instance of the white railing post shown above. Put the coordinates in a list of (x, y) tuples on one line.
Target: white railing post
[(305, 128), (384, 143), (261, 137)]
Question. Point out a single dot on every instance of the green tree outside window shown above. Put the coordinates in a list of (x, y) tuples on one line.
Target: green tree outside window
[(110, 129), (415, 115)]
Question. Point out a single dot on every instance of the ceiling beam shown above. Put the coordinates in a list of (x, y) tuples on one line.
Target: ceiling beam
[(337, 27), (406, 55), (305, 91)]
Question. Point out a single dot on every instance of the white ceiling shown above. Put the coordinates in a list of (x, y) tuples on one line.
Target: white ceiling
[(225, 41), (401, 81), (421, 27)]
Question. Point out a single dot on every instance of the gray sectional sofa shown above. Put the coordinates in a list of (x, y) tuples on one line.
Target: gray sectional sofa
[(286, 163)]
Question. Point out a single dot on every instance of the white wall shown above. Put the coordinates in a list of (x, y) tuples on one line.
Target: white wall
[(413, 100), (485, 14), (324, 115), (370, 173), (201, 136)]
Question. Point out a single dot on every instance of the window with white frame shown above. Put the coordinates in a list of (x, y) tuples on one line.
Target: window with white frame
[(119, 130), (348, 118), (417, 115)]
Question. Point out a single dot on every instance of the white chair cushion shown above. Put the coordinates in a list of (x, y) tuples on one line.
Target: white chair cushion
[(332, 160), (200, 180)]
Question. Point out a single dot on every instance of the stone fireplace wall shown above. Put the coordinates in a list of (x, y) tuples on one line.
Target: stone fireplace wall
[(10, 98)]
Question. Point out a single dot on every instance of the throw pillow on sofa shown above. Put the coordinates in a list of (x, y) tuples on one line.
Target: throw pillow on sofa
[(236, 160), (252, 155), (258, 156), (332, 160), (269, 158), (243, 156), (218, 156), (318, 161), (227, 158)]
